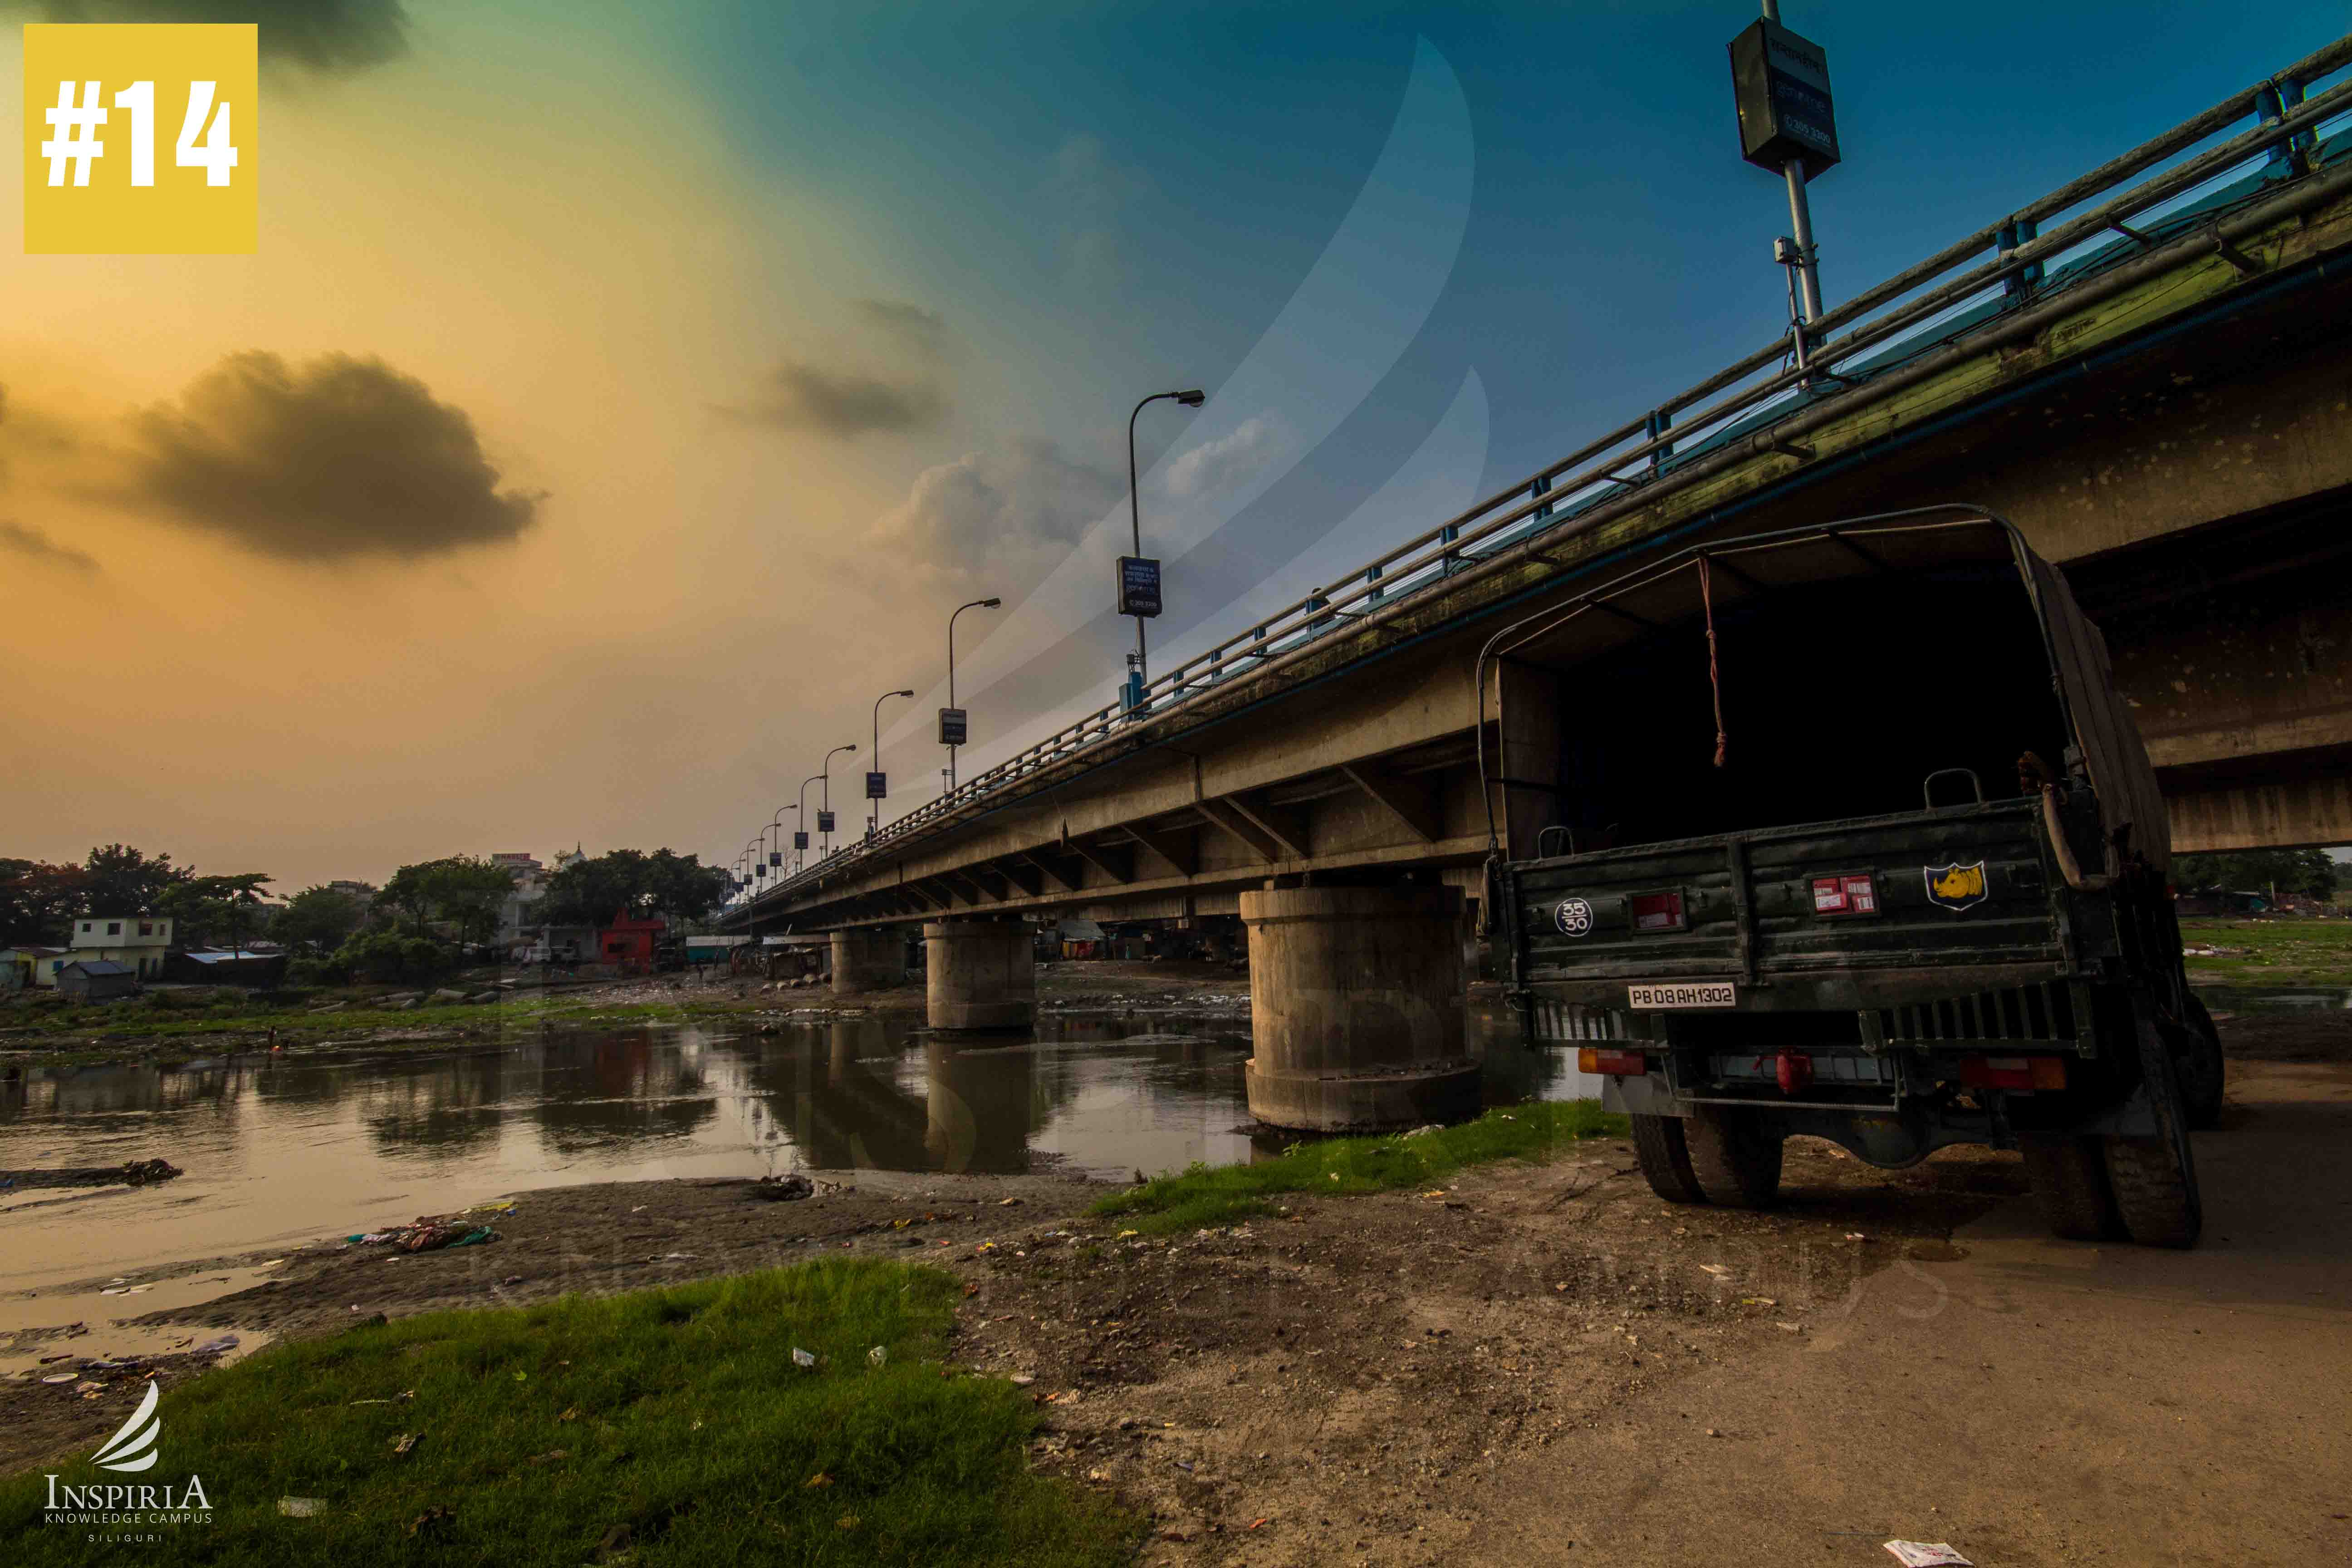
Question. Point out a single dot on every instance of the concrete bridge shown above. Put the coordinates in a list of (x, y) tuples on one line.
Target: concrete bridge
[(2147, 371)]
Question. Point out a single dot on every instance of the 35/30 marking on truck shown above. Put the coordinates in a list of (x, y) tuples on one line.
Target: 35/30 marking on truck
[(1574, 916), (1687, 994)]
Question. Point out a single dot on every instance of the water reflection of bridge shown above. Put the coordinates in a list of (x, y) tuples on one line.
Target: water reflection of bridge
[(859, 1093)]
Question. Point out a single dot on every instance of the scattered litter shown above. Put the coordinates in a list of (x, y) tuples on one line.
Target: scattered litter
[(1125, 1233), (818, 1481), (1422, 1132), (1855, 1235), (1791, 1328), (216, 1347), (785, 1188), (1926, 1554), (502, 1207), (521, 1376), (1256, 1522), (271, 1264), (61, 1377), (679, 1256), (1008, 1203), (301, 1507), (802, 1358), (87, 1386), (116, 1290), (405, 1442), (640, 1208), (427, 1232), (1718, 1269), (877, 1356), (1434, 1192), (1020, 1380), (571, 1414), (436, 1514), (1758, 1301)]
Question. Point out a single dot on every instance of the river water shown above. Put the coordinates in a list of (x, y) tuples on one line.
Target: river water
[(282, 1150)]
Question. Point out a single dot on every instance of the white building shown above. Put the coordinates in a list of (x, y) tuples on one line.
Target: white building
[(138, 943)]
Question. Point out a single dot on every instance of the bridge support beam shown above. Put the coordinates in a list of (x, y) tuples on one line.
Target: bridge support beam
[(982, 974), (868, 958), (1357, 1002)]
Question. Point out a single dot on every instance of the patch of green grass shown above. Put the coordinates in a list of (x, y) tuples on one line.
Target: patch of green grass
[(678, 1413), (2285, 952), (1203, 1196)]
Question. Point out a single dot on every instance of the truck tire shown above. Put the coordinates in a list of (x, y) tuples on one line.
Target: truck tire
[(2154, 1179), (2069, 1173), (1736, 1156), (2202, 1073), (1664, 1159)]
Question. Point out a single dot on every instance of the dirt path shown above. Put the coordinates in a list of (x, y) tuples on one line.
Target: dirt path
[(1546, 1365)]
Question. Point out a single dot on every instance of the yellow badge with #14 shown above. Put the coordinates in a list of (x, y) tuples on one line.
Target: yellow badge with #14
[(139, 138)]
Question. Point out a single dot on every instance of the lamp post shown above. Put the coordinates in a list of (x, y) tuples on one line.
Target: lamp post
[(802, 834), (777, 847), (825, 795), (874, 818), (1193, 399), (975, 604)]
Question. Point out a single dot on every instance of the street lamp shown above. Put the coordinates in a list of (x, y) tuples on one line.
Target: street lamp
[(800, 839), (1193, 399), (951, 708), (874, 818), (776, 846), (825, 795)]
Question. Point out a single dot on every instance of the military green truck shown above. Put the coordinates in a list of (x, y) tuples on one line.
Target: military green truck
[(1844, 831)]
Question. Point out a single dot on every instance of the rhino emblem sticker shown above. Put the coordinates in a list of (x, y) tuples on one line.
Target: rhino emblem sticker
[(1956, 887), (1573, 917)]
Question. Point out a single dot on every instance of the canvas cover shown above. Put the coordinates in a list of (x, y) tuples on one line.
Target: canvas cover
[(2104, 727), (1666, 590)]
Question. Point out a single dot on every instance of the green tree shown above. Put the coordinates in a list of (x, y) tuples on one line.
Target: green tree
[(464, 891), (318, 919), (127, 881), (214, 910), (2308, 872), (38, 901), (630, 881)]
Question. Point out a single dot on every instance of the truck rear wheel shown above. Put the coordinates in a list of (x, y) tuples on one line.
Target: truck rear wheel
[(1735, 1155), (1664, 1159), (2069, 1185)]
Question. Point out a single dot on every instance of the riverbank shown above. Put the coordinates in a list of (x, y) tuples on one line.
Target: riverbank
[(1535, 1351), (801, 1415), (174, 1028)]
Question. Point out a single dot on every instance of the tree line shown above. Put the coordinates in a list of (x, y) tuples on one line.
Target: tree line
[(455, 898)]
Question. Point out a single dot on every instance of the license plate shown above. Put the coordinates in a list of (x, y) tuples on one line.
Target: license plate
[(1682, 994)]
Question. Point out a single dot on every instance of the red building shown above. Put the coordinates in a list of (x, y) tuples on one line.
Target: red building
[(627, 944)]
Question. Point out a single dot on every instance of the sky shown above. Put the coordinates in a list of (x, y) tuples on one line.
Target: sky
[(619, 398)]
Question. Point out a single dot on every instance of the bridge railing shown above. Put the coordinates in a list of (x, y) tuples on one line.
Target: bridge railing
[(2010, 262)]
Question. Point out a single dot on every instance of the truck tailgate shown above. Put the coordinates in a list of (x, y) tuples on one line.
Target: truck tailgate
[(1966, 888)]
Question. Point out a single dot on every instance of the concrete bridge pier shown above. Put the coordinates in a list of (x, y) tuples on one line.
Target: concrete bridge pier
[(868, 958), (1357, 999), (982, 974)]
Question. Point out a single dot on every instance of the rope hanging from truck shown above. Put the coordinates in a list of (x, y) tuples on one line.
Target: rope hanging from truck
[(1713, 675)]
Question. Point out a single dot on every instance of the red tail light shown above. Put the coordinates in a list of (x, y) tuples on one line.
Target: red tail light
[(1845, 896), (1615, 1064), (2024, 1074), (1657, 911)]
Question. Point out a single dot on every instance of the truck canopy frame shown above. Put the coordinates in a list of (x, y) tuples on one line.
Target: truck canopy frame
[(1692, 585)]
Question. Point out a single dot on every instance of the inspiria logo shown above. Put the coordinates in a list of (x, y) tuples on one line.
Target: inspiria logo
[(113, 1506)]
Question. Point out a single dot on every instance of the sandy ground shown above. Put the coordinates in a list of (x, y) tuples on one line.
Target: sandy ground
[(1544, 1363)]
